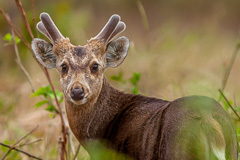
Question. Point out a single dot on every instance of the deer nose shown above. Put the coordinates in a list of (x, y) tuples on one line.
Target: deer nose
[(77, 93)]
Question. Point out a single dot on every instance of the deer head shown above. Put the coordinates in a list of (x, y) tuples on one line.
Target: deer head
[(81, 67)]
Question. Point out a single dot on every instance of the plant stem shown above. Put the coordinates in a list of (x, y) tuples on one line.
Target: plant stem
[(14, 145), (228, 103), (18, 150), (20, 7), (64, 132), (78, 148), (19, 62), (229, 68)]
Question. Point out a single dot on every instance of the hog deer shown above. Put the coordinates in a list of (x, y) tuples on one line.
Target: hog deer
[(143, 128)]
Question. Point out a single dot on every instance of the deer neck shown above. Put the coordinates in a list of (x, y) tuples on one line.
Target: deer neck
[(90, 121)]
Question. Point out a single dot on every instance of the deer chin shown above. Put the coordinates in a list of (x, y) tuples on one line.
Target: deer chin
[(80, 102)]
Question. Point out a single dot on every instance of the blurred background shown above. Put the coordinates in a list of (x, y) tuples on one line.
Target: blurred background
[(179, 48)]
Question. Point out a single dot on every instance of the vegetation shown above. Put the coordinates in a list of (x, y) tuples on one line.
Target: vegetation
[(177, 49)]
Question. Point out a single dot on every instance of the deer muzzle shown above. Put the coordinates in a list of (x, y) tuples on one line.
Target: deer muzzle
[(77, 93)]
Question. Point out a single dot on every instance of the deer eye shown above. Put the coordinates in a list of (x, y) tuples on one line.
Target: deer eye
[(94, 68), (64, 68)]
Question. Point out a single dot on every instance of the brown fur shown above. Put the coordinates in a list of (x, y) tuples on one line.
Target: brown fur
[(149, 128), (139, 127)]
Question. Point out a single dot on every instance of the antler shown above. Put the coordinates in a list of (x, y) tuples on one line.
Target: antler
[(47, 27), (112, 28), (43, 30)]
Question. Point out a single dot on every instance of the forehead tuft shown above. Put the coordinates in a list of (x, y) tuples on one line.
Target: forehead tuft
[(62, 46), (95, 46)]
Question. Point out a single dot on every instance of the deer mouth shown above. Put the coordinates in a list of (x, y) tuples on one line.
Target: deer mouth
[(79, 102)]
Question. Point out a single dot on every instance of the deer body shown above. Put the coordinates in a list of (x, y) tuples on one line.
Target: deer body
[(139, 127), (149, 128)]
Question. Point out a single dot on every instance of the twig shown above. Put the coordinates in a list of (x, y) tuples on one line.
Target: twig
[(34, 17), (70, 141), (14, 145), (61, 145), (18, 60), (78, 148), (19, 150), (20, 7), (28, 143), (44, 69), (228, 103), (143, 14), (229, 68), (9, 21), (64, 131)]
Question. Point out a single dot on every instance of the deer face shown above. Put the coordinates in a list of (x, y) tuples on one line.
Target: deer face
[(81, 67)]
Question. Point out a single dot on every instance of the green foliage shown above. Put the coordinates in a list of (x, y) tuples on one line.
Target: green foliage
[(9, 39), (225, 104), (102, 152), (48, 98), (12, 154), (134, 80), (119, 78)]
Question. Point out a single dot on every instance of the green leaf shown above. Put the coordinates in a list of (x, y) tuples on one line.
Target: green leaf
[(7, 37), (17, 40), (39, 104), (50, 108), (5, 149), (135, 90), (61, 100), (237, 108), (47, 92), (118, 78), (59, 94), (135, 78), (52, 115), (51, 95), (41, 91)]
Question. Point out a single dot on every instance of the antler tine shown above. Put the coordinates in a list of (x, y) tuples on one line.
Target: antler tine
[(107, 30), (121, 26), (43, 30), (50, 27)]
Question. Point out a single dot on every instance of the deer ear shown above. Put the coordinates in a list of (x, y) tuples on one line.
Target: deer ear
[(116, 51), (43, 52)]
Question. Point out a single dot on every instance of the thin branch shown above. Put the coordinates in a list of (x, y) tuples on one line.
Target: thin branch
[(44, 69), (70, 141), (229, 68), (19, 62), (64, 131), (61, 145), (22, 38), (9, 21), (14, 145), (18, 2), (143, 14), (228, 103), (28, 143), (21, 151), (20, 7), (34, 17), (78, 149)]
